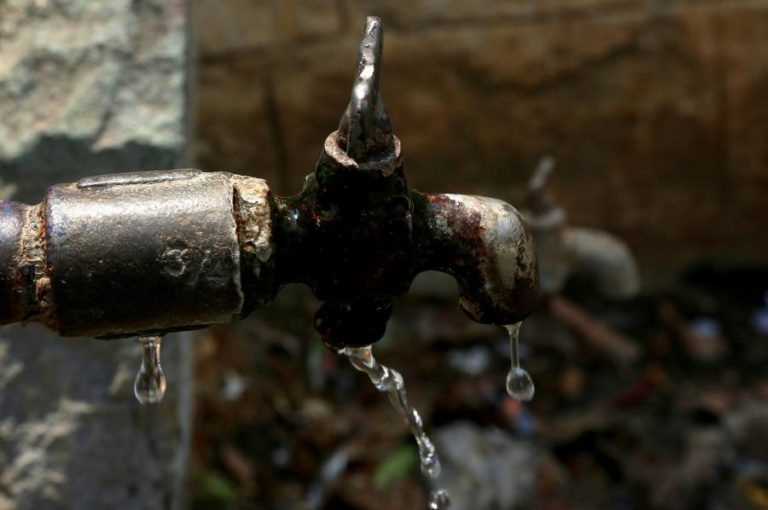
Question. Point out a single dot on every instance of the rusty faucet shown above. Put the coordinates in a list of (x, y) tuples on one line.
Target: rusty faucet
[(152, 252)]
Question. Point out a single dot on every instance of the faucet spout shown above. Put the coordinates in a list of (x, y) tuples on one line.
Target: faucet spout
[(486, 245)]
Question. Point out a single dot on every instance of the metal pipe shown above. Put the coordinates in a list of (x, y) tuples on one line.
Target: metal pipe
[(140, 253), (16, 303), (151, 252)]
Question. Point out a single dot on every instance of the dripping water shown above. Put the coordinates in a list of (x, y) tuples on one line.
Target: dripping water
[(390, 382), (519, 382), (150, 384)]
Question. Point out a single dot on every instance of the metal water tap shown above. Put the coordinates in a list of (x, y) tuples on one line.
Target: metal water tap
[(151, 252), (564, 250)]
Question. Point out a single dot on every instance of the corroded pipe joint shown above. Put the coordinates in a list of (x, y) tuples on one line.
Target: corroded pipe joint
[(347, 235), (147, 252)]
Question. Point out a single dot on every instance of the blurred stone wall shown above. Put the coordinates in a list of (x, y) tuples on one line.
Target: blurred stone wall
[(656, 110), (89, 87)]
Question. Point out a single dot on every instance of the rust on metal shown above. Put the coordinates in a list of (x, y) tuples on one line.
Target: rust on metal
[(150, 252), (253, 215), (485, 244)]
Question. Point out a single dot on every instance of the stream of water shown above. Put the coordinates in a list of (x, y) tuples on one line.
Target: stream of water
[(390, 382), (150, 385)]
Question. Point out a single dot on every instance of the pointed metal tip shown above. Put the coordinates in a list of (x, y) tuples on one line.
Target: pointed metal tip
[(365, 129), (542, 173), (372, 23)]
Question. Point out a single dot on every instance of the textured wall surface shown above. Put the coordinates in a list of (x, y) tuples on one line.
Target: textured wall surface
[(85, 88), (656, 110)]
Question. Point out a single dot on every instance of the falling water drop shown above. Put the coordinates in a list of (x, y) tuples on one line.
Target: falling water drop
[(519, 383), (390, 382), (439, 500), (150, 384)]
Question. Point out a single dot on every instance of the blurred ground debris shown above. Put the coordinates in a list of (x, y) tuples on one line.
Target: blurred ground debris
[(285, 424)]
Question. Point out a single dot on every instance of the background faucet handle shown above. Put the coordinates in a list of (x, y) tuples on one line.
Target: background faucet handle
[(538, 199), (365, 128)]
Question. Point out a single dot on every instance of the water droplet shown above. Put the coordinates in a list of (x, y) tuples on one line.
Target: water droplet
[(391, 383), (150, 383), (519, 383), (439, 500), (430, 464)]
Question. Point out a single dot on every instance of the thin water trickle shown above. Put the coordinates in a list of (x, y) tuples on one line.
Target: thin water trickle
[(519, 383), (150, 383), (390, 382)]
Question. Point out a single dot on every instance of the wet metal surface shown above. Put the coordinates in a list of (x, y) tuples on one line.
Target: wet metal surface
[(150, 252), (143, 254)]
